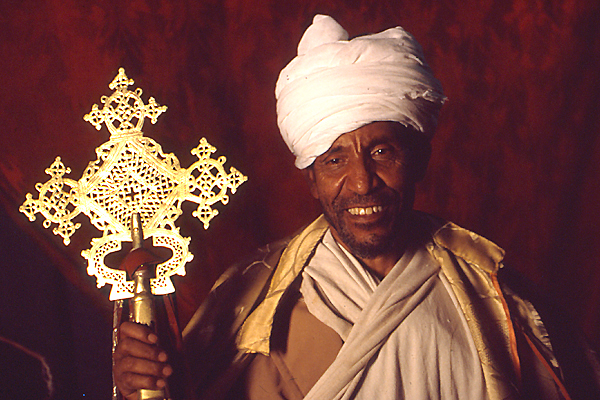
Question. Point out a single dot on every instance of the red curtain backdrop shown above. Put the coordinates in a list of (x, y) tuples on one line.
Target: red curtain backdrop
[(516, 156)]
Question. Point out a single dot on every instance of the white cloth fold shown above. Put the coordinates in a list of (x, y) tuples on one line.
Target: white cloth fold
[(404, 337), (349, 289)]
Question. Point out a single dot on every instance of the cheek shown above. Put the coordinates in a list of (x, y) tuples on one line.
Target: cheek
[(326, 187), (314, 190), (396, 178), (327, 194)]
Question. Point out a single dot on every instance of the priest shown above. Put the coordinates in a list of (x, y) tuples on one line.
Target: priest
[(373, 300)]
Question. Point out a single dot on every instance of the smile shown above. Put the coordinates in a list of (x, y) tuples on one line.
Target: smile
[(365, 210)]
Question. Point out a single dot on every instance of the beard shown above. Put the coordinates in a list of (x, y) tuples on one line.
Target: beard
[(382, 234)]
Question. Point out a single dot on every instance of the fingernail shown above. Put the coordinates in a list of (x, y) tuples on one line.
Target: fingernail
[(152, 338), (167, 371), (162, 356), (160, 383)]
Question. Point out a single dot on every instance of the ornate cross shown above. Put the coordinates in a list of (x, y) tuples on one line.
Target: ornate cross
[(132, 175)]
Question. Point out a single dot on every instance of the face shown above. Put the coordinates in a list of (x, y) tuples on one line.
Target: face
[(366, 183)]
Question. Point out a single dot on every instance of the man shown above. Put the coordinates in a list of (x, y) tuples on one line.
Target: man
[(373, 300)]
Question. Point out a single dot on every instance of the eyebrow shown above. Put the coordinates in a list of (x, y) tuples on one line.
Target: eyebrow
[(334, 149)]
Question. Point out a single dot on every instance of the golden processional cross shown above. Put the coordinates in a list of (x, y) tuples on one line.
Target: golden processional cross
[(131, 192), (132, 175)]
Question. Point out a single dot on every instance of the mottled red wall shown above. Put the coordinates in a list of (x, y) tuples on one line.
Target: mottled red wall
[(516, 157)]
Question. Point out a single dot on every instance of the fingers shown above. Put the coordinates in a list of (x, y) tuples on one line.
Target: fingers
[(139, 363), (137, 331), (139, 366), (130, 347), (133, 373)]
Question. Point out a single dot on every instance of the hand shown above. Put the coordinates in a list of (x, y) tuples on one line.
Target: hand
[(139, 362)]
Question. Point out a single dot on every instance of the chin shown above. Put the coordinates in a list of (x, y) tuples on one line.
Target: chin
[(369, 250), (367, 246)]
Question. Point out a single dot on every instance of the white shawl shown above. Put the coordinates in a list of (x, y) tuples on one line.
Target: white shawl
[(404, 338)]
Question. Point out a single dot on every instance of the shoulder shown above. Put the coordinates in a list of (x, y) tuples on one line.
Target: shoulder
[(534, 313), (239, 287), (210, 350), (457, 249), (465, 244), (242, 287)]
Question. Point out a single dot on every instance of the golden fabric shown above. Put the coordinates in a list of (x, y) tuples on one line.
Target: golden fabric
[(255, 335), (470, 263)]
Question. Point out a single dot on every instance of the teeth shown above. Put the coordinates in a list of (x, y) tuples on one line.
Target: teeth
[(365, 210)]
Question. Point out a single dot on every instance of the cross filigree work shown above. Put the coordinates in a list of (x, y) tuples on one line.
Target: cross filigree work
[(132, 175)]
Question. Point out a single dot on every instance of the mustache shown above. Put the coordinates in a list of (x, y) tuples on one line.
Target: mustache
[(382, 198)]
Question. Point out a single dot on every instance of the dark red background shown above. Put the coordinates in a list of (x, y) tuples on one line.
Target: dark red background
[(516, 156)]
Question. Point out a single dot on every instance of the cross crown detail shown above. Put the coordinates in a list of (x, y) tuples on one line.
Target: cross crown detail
[(124, 111)]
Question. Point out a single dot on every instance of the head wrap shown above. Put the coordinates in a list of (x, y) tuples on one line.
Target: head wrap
[(336, 85)]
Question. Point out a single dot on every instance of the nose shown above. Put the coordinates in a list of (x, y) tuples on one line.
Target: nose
[(362, 177)]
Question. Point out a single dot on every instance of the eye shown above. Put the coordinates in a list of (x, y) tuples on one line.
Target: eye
[(333, 161), (383, 153)]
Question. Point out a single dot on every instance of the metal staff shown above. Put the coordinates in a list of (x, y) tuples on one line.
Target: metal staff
[(139, 264)]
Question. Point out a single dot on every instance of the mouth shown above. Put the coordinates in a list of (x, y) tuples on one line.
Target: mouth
[(365, 210)]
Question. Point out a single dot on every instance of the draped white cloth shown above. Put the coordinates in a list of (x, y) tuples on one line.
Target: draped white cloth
[(336, 85), (404, 338)]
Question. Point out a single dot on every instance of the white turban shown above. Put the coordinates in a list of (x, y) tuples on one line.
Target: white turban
[(336, 85)]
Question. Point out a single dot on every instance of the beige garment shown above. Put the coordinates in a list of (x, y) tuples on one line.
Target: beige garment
[(298, 358)]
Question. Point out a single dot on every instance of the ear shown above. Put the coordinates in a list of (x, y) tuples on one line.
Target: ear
[(309, 175)]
